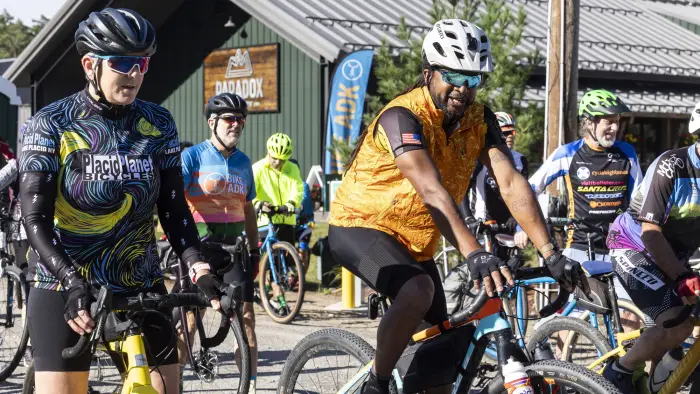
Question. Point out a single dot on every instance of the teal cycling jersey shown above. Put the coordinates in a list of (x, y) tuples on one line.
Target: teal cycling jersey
[(217, 188)]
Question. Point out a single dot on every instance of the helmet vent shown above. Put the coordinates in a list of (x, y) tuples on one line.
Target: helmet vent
[(450, 34), (438, 48), (447, 23), (459, 55)]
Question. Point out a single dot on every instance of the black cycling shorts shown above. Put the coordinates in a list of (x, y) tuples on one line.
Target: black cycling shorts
[(219, 259), (645, 282), (384, 264), (51, 334)]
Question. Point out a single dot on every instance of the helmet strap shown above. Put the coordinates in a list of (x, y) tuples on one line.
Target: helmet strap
[(216, 134), (117, 110)]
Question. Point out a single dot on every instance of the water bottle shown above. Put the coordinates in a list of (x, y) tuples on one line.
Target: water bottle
[(515, 378), (664, 369)]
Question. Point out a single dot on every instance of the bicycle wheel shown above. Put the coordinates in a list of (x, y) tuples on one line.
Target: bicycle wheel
[(104, 375), (14, 332), (282, 292), (585, 343), (554, 376), (324, 375), (215, 369)]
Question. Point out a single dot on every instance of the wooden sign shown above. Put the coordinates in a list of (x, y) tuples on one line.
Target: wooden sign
[(251, 72)]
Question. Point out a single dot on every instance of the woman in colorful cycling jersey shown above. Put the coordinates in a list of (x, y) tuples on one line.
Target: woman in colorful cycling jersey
[(92, 167)]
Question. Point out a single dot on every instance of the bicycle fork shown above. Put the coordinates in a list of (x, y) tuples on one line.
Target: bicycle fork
[(274, 279)]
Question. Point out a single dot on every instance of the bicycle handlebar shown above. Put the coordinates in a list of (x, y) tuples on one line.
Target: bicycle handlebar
[(578, 225), (106, 303), (522, 274)]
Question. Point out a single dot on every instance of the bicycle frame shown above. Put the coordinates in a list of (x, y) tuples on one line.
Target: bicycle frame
[(138, 376), (491, 321)]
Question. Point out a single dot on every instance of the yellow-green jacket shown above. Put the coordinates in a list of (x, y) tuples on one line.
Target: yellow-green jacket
[(283, 187)]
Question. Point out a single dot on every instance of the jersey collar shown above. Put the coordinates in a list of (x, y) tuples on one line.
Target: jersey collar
[(212, 146), (108, 111), (595, 148)]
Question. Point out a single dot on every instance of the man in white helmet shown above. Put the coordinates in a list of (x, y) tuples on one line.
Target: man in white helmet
[(399, 190)]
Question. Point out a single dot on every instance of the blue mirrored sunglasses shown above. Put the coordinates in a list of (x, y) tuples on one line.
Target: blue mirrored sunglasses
[(458, 79), (124, 64)]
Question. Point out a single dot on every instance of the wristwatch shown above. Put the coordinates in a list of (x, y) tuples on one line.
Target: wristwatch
[(196, 268)]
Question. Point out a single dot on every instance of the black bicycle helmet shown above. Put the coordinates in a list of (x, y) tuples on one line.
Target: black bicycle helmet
[(225, 102), (115, 32)]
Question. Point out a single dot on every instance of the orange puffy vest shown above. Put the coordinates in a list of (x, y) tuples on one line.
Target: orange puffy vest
[(375, 194)]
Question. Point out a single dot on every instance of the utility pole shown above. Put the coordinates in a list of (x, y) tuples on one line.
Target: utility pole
[(562, 76)]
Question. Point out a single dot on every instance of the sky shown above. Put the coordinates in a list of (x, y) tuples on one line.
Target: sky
[(26, 10)]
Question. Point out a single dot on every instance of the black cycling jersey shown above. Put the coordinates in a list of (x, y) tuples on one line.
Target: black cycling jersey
[(599, 183), (90, 178), (485, 201)]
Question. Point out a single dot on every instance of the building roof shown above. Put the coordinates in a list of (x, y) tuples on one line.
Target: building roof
[(635, 39), (640, 101), (688, 11)]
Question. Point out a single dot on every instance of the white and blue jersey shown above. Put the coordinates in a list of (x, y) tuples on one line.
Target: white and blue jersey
[(669, 197), (599, 182)]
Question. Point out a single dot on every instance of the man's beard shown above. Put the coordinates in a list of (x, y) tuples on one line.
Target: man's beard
[(451, 116)]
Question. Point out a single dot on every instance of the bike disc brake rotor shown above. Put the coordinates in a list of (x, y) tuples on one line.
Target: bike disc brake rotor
[(208, 366)]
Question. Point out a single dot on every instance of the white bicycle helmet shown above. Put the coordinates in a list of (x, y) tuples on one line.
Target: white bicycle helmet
[(506, 121), (694, 125), (458, 45)]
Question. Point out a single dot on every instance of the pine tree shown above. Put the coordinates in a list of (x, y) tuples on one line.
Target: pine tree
[(503, 90)]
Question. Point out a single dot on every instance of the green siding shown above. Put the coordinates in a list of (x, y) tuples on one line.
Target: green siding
[(8, 121), (687, 25), (300, 102)]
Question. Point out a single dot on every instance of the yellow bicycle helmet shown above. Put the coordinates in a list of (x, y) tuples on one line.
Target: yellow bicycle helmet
[(280, 146)]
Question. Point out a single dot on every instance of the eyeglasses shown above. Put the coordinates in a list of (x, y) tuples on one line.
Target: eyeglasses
[(508, 132), (457, 79), (231, 119), (124, 64)]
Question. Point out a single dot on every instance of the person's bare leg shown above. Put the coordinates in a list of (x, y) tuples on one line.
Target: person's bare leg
[(400, 322), (657, 340), (61, 382), (170, 375)]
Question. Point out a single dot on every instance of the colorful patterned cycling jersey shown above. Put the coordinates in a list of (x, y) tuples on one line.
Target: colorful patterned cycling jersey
[(599, 183), (217, 188), (669, 196), (90, 177)]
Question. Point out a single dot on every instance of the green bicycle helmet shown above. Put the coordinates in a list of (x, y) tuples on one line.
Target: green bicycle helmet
[(600, 102), (280, 146)]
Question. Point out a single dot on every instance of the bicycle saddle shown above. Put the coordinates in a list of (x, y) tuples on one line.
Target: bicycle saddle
[(506, 240), (597, 267)]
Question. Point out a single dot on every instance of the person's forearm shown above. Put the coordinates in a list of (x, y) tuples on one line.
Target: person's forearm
[(524, 207), (444, 211), (664, 256), (251, 226)]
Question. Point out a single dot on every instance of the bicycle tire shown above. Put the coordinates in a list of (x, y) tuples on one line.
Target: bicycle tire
[(28, 383), (15, 275), (241, 340), (265, 268), (573, 325), (571, 375), (326, 339)]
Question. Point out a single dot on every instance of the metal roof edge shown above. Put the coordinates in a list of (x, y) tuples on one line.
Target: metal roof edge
[(41, 40), (308, 41)]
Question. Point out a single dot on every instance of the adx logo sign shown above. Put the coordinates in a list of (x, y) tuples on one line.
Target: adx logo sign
[(117, 167)]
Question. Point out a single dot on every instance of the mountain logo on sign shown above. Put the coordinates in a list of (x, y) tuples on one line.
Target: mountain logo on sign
[(239, 65)]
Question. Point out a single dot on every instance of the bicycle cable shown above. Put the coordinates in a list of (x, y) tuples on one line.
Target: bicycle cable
[(542, 293)]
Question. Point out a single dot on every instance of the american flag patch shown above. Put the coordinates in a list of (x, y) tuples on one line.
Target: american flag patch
[(411, 139)]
